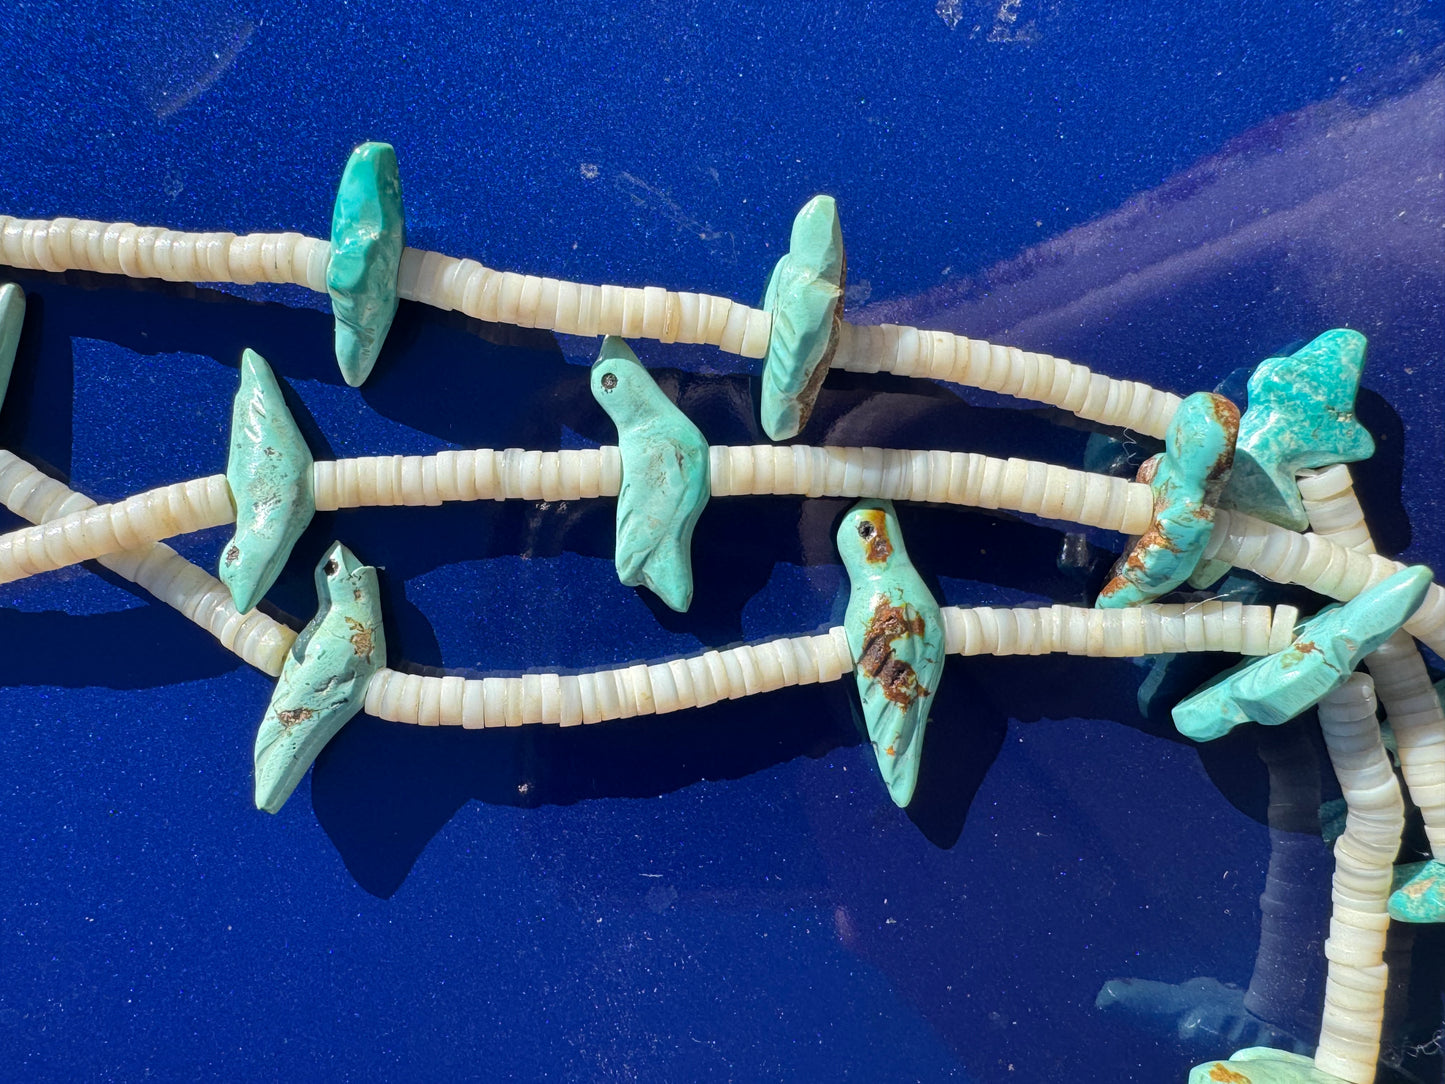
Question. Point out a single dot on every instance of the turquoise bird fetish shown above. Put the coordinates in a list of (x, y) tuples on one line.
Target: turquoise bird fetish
[(1186, 480), (1301, 414), (804, 295), (665, 476), (1419, 895), (368, 234), (1326, 649), (269, 472), (895, 631), (323, 682)]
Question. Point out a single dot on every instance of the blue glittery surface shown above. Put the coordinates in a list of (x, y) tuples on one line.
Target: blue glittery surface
[(1164, 192)]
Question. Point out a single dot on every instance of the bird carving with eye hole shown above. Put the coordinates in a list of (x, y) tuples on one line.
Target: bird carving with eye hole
[(665, 479), (895, 632)]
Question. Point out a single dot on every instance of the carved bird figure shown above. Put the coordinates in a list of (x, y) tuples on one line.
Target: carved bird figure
[(665, 479), (323, 682), (895, 631)]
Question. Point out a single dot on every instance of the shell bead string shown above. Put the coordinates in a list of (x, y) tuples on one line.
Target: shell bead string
[(627, 691), (367, 240), (1356, 980)]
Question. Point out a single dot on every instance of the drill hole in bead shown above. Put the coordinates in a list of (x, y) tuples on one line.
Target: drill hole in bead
[(609, 381)]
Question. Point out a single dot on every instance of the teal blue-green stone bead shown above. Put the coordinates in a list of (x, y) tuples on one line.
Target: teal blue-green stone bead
[(12, 317), (1325, 652), (269, 472), (1186, 479), (1301, 414), (323, 681), (805, 298), (666, 479), (368, 234), (1421, 895), (895, 632), (1262, 1065)]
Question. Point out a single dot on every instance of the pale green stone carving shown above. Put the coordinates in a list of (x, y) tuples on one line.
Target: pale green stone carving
[(323, 683), (665, 476), (1185, 479), (1262, 1065), (805, 297), (269, 472), (1301, 414), (368, 233), (895, 632), (1325, 652), (1420, 896)]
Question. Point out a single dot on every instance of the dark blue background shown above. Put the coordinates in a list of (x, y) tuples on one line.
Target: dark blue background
[(1166, 192)]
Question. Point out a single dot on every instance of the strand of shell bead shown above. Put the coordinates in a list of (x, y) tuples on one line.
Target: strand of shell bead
[(1355, 988), (963, 478), (623, 692), (572, 308), (1333, 508), (616, 693), (1151, 629), (1319, 564), (942, 355), (445, 282), (467, 286), (96, 530), (123, 248), (960, 478), (256, 638)]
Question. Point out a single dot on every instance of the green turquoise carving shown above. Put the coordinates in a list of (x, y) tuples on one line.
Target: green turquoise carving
[(666, 478), (12, 316), (269, 472), (1420, 895), (805, 298), (895, 631), (1301, 414), (1185, 479), (1262, 1065), (323, 682), (1326, 650), (368, 232)]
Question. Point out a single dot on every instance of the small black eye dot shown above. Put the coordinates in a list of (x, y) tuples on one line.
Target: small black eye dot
[(331, 567), (865, 529), (609, 381)]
